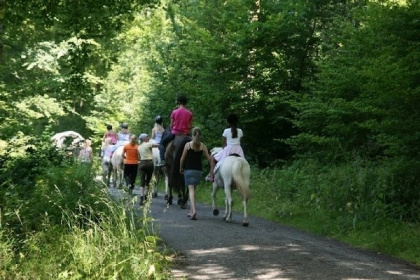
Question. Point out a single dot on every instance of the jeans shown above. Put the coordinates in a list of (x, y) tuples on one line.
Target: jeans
[(163, 143)]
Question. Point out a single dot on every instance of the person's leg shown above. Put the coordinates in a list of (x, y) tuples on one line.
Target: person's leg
[(142, 182), (193, 212), (162, 147), (130, 173), (134, 175), (149, 174), (126, 173)]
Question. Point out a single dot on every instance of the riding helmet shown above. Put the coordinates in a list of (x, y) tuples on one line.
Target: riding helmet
[(158, 119), (124, 125)]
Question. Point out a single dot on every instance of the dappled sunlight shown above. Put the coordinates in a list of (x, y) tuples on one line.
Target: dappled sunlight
[(214, 249), (211, 271), (269, 262)]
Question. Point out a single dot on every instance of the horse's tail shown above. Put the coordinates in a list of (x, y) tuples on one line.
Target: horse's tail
[(241, 176)]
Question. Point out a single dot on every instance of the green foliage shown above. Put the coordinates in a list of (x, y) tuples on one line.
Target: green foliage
[(58, 222), (328, 89)]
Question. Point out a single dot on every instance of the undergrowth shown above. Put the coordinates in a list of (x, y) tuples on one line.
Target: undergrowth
[(61, 223)]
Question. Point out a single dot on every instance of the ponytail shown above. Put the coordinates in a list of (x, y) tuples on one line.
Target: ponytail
[(196, 134), (233, 120)]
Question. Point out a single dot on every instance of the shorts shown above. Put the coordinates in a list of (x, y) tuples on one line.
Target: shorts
[(192, 177)]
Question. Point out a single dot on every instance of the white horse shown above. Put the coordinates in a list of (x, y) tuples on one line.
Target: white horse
[(106, 162), (232, 172), (158, 172), (117, 162)]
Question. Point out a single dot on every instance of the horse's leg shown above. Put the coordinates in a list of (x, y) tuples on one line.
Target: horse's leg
[(107, 172), (115, 176), (170, 196), (213, 199), (228, 201), (184, 197), (245, 222), (155, 181), (104, 171), (166, 187)]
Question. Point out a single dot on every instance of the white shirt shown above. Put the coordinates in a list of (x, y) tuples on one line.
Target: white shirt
[(232, 141)]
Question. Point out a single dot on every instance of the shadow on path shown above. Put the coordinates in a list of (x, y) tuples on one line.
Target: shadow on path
[(210, 248)]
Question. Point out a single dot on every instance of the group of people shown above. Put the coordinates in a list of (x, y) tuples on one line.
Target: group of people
[(138, 154)]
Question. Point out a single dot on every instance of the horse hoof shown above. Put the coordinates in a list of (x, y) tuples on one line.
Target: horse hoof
[(245, 224), (154, 195), (166, 197), (169, 202), (215, 212)]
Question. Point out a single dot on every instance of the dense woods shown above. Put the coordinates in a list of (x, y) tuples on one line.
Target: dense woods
[(325, 87)]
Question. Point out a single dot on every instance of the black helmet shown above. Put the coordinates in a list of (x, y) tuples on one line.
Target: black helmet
[(109, 127), (182, 100), (158, 119), (124, 125)]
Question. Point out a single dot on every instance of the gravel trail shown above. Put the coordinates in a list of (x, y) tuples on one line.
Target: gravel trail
[(210, 248)]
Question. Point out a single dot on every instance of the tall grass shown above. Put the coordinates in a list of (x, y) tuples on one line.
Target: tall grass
[(71, 229)]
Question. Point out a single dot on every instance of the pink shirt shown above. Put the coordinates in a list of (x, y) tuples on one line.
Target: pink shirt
[(181, 121)]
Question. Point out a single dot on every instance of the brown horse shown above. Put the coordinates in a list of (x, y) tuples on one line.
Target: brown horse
[(176, 180)]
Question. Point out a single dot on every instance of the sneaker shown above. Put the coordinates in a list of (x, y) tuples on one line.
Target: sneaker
[(162, 163)]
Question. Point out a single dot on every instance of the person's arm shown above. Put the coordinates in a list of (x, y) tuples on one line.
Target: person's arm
[(171, 124), (206, 153), (152, 135), (223, 141), (181, 162)]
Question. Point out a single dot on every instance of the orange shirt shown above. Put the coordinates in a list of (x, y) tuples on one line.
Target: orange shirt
[(131, 154)]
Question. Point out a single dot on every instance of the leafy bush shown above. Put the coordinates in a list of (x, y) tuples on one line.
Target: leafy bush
[(58, 222)]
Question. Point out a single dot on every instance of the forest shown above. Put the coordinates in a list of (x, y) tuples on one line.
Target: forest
[(327, 92)]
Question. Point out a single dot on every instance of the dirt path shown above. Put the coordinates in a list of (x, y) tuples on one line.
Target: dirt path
[(210, 248)]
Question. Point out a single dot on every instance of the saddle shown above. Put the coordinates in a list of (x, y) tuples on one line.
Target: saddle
[(216, 168)]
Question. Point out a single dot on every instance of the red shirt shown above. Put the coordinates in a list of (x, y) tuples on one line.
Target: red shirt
[(181, 121)]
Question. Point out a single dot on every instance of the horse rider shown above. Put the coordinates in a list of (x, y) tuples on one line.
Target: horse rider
[(181, 121)]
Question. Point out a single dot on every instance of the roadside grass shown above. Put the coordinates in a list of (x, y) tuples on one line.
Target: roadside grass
[(72, 229), (339, 202)]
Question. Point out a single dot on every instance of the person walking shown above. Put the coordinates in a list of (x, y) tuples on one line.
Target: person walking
[(146, 164), (181, 121), (131, 159), (231, 143), (192, 168), (86, 153)]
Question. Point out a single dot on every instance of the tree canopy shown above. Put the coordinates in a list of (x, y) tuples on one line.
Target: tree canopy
[(329, 80)]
